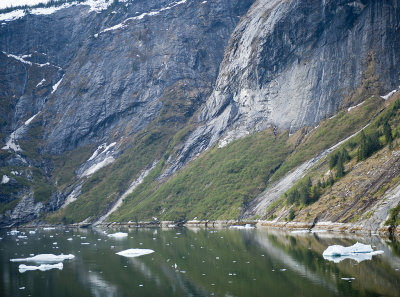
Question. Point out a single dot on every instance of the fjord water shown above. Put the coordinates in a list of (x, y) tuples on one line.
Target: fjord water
[(203, 262)]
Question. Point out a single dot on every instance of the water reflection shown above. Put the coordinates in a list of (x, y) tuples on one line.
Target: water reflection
[(198, 263)]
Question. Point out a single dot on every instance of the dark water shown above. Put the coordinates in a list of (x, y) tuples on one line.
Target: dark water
[(222, 262)]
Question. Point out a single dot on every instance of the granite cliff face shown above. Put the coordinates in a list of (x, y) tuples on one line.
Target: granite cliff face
[(94, 75), (290, 64), (91, 77)]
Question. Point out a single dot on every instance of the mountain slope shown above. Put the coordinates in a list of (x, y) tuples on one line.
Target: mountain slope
[(177, 109)]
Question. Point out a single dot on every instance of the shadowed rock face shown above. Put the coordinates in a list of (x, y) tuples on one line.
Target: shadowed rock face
[(114, 78), (291, 63)]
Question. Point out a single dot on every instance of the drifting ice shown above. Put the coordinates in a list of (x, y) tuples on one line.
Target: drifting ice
[(131, 253), (358, 252), (118, 235), (22, 268), (45, 258)]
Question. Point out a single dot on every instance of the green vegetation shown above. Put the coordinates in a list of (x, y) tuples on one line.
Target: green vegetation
[(362, 146), (217, 185), (104, 186), (330, 132), (394, 217)]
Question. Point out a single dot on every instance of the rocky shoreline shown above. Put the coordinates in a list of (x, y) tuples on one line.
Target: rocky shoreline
[(243, 224)]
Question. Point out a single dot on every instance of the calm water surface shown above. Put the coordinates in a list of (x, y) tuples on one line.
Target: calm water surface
[(186, 262)]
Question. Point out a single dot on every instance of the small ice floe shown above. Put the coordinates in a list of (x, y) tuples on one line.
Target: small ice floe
[(14, 232), (348, 278), (45, 258), (131, 253), (118, 235), (69, 239), (43, 267), (22, 288), (358, 252), (247, 226), (85, 243), (54, 243), (32, 232), (22, 236)]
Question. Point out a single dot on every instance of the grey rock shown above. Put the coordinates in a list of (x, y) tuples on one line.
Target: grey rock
[(291, 63)]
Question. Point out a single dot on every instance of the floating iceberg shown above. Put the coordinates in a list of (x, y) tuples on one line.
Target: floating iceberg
[(358, 252), (131, 253), (118, 235), (22, 268), (45, 258)]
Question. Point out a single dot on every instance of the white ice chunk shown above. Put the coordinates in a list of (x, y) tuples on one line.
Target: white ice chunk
[(69, 239), (358, 252), (118, 235), (22, 236), (32, 232), (43, 267), (49, 228), (5, 179), (14, 232), (45, 258), (130, 253)]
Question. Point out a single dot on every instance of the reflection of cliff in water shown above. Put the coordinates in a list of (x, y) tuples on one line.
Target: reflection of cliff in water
[(303, 254)]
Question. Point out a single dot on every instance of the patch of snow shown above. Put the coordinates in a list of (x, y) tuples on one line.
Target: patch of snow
[(30, 119), (49, 228), (358, 252), (141, 16), (11, 144), (118, 235), (45, 258), (73, 196), (131, 253), (22, 268), (204, 2), (102, 149), (56, 85), (98, 166), (131, 188), (387, 96), (19, 58), (14, 232), (69, 239), (348, 278), (41, 82), (22, 236), (352, 107), (32, 232), (5, 179), (94, 5)]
